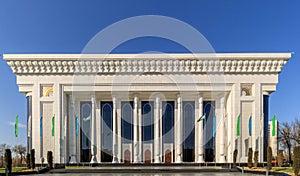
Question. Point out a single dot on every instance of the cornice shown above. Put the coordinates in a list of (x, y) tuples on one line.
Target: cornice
[(140, 63)]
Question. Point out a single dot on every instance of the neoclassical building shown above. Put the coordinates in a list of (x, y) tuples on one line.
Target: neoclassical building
[(147, 108)]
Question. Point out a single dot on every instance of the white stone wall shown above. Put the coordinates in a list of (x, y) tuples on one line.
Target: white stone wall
[(185, 75)]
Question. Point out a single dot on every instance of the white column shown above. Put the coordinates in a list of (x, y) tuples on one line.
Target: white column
[(178, 149), (222, 130), (200, 132), (115, 131), (156, 130), (135, 130), (93, 134), (72, 136)]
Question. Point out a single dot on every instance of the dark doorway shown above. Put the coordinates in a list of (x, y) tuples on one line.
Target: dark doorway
[(107, 131), (127, 127), (189, 131), (85, 143), (209, 130), (168, 126), (147, 127)]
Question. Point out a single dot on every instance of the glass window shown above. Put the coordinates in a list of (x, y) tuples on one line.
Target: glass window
[(107, 131), (168, 121), (148, 119), (127, 121)]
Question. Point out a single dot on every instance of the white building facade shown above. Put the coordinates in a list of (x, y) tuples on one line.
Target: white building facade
[(147, 108)]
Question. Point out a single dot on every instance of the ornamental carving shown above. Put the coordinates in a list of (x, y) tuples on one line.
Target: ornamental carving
[(153, 65)]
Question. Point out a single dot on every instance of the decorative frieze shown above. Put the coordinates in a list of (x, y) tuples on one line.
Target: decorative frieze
[(173, 64)]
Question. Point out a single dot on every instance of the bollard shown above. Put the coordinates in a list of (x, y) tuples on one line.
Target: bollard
[(267, 171), (243, 170)]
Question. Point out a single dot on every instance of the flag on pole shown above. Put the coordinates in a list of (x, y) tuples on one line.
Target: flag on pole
[(76, 126), (250, 126), (53, 118), (201, 118), (41, 126), (214, 126), (238, 130), (87, 118), (17, 126), (274, 125)]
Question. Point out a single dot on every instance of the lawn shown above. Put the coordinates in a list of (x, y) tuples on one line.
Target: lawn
[(14, 169), (283, 169)]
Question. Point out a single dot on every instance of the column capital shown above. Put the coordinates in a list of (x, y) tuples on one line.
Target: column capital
[(266, 93), (179, 97), (28, 94), (135, 96), (200, 95), (157, 99), (93, 98)]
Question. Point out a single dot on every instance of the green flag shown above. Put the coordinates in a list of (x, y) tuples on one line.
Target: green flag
[(201, 118), (17, 126), (86, 119), (53, 125), (274, 125), (238, 124)]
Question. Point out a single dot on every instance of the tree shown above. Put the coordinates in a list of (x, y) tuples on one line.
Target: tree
[(32, 159), (255, 158), (50, 159), (235, 153), (295, 135), (250, 153), (280, 157), (285, 131), (8, 160), (20, 150), (2, 151), (296, 164), (269, 157)]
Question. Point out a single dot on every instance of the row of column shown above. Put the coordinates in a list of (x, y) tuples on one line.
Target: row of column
[(178, 125)]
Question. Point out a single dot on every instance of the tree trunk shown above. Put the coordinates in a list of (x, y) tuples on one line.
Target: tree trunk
[(290, 155)]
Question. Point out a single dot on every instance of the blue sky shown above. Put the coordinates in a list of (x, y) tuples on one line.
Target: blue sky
[(40, 26)]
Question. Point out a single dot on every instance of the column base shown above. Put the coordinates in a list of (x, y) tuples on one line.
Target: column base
[(115, 160), (178, 159), (200, 159), (73, 159), (222, 159), (94, 159), (157, 160), (136, 160)]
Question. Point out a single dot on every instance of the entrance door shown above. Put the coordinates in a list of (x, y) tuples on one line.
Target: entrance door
[(168, 156), (168, 128), (127, 129), (147, 128), (148, 156), (85, 131), (209, 130), (106, 131), (127, 157), (189, 131)]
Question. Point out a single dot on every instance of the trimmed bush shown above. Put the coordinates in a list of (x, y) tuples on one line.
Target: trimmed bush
[(255, 158), (50, 159), (250, 153), (280, 157), (32, 159), (269, 157), (296, 163), (8, 160), (28, 161), (235, 153)]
